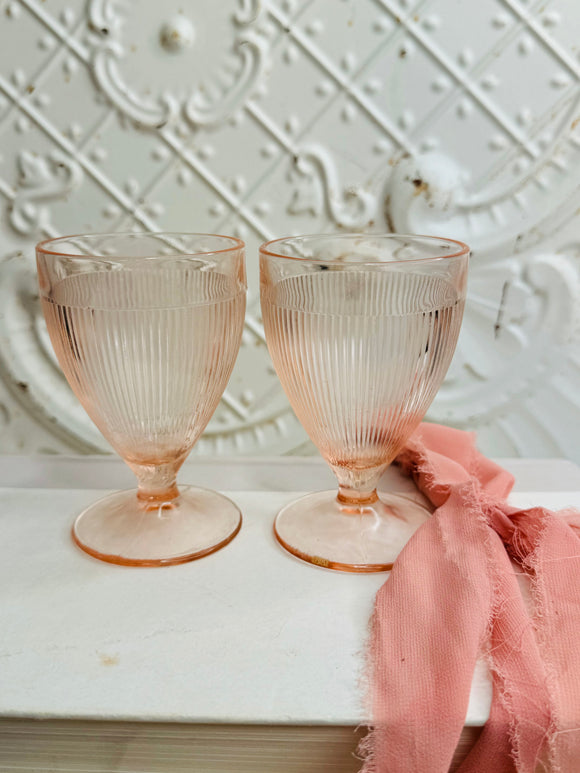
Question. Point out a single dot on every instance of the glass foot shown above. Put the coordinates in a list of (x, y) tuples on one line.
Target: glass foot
[(316, 528), (121, 529)]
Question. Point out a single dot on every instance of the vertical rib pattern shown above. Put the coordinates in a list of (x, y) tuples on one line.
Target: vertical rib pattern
[(148, 352), (361, 355)]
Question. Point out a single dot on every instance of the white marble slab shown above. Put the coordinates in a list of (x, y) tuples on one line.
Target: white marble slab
[(247, 635)]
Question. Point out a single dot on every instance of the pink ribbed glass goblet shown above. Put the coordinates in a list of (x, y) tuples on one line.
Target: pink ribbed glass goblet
[(146, 328), (361, 330)]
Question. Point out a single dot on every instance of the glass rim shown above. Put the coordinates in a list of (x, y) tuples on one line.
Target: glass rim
[(41, 247), (464, 249)]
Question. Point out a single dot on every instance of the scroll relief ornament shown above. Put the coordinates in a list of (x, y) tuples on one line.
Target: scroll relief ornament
[(521, 318), (317, 189), (169, 48), (153, 68), (27, 363), (40, 180)]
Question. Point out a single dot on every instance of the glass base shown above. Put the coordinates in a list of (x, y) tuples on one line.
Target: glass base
[(368, 538), (121, 529)]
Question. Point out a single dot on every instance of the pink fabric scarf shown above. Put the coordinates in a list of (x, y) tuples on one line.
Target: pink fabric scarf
[(452, 594)]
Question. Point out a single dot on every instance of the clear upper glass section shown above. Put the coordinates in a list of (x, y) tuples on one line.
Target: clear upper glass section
[(139, 245), (359, 249), (178, 255)]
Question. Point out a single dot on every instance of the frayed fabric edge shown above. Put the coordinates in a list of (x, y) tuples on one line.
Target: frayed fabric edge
[(366, 752), (366, 747)]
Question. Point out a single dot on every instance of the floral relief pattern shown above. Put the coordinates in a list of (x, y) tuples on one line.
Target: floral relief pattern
[(287, 116)]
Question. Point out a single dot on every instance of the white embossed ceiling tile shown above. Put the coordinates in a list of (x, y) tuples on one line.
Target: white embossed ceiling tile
[(179, 199), (406, 86), (17, 166), (133, 160), (558, 21), (531, 82), (338, 176), (196, 47), (465, 35), (294, 196), (343, 36), (289, 110), (36, 43), (286, 116), (237, 154), (73, 109)]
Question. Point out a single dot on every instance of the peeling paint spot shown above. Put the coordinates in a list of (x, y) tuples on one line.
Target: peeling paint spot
[(109, 660), (420, 186)]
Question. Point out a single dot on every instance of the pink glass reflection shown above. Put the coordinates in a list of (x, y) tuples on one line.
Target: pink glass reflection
[(361, 330), (146, 328)]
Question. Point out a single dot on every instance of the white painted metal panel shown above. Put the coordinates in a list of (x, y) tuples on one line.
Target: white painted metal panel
[(283, 116)]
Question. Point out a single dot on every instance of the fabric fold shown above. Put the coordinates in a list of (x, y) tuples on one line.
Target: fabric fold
[(453, 595)]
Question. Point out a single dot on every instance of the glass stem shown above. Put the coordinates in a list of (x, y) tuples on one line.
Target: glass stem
[(357, 488), (157, 482)]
